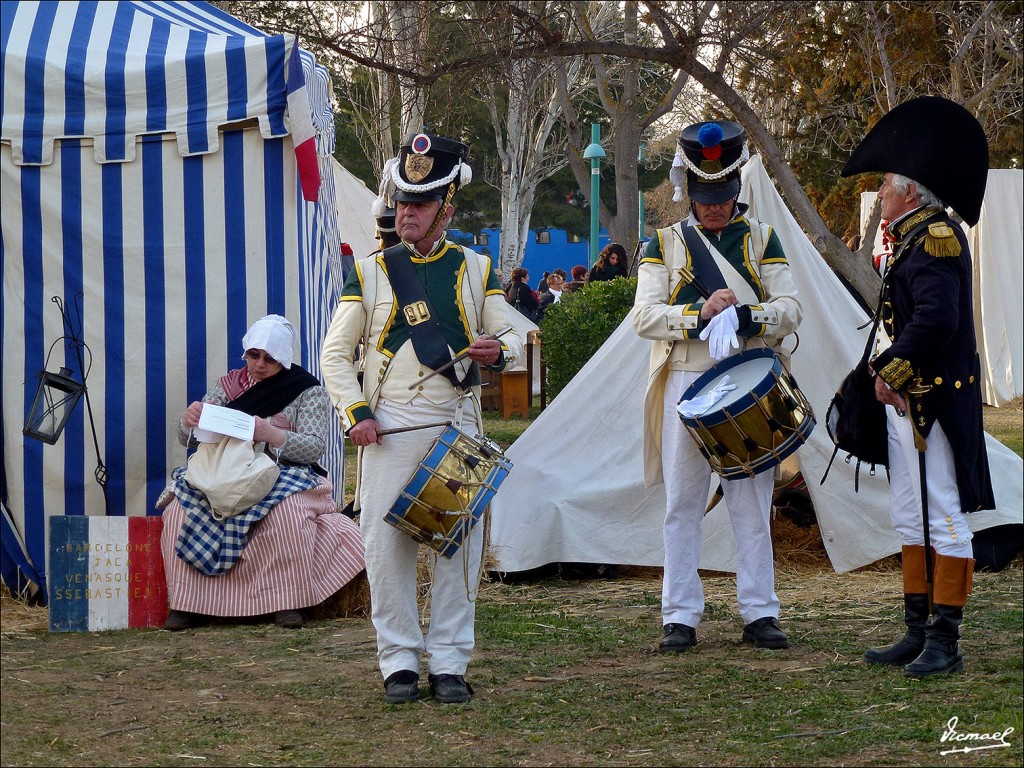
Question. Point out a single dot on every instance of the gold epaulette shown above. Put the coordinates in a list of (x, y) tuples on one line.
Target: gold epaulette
[(940, 240), (897, 373)]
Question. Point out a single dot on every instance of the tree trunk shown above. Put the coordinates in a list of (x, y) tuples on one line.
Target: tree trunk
[(410, 23)]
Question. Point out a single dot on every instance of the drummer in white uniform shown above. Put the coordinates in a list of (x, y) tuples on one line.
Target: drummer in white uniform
[(419, 304), (709, 287)]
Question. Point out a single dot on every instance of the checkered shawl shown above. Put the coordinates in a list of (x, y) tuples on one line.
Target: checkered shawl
[(213, 546)]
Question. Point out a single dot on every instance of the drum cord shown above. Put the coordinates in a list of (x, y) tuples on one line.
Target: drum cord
[(485, 521)]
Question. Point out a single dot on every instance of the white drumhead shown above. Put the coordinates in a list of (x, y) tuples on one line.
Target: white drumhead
[(745, 376)]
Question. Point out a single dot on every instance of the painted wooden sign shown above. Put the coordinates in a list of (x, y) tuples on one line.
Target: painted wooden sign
[(106, 573)]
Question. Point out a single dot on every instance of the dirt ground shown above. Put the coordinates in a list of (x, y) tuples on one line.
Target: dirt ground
[(254, 694)]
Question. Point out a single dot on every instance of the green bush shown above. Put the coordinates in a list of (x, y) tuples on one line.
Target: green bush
[(576, 327)]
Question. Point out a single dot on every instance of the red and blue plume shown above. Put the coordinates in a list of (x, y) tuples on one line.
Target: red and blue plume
[(710, 138)]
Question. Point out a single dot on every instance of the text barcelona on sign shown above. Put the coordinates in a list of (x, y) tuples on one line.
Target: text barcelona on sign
[(106, 573)]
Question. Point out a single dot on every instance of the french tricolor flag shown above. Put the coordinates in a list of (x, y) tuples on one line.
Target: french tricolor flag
[(300, 123), (106, 573)]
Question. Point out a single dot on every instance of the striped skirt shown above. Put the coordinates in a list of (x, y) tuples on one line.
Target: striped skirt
[(297, 556)]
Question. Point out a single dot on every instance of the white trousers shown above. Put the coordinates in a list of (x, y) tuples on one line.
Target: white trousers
[(688, 479), (391, 555), (947, 525)]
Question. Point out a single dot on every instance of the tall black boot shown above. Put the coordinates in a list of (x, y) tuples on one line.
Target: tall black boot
[(909, 647), (941, 653)]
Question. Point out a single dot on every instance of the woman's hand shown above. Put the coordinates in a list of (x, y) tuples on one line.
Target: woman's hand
[(190, 419), (265, 432)]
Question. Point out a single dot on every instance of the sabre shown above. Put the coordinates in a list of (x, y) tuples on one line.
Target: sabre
[(921, 444), (457, 358)]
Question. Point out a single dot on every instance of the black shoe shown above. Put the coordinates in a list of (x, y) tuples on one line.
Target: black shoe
[(289, 619), (939, 657), (179, 620), (765, 633), (941, 654), (909, 647), (678, 637), (900, 653), (401, 687), (450, 689)]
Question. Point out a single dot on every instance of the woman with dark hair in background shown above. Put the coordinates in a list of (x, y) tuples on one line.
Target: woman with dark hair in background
[(521, 296), (611, 263)]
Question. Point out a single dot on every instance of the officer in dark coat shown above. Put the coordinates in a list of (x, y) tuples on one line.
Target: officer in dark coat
[(933, 153)]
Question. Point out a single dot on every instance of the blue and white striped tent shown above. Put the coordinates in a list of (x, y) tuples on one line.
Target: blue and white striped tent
[(146, 164)]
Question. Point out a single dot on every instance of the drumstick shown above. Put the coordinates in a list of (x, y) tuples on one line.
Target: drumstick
[(457, 358), (695, 281), (396, 430)]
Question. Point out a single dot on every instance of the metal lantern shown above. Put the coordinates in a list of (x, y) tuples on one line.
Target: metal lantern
[(56, 397)]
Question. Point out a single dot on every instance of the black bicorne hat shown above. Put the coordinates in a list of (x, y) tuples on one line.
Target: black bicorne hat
[(428, 166), (711, 154), (935, 142)]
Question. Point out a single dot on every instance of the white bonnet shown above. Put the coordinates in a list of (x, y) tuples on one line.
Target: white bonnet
[(275, 336)]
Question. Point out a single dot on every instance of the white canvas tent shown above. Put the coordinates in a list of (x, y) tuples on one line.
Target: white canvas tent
[(576, 492), (146, 163), (997, 246), (352, 206)]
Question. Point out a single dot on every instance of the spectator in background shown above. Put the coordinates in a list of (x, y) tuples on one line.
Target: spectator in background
[(579, 279), (543, 284), (611, 263), (521, 296), (553, 294)]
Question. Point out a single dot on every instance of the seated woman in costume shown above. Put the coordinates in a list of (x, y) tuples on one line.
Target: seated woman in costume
[(293, 549)]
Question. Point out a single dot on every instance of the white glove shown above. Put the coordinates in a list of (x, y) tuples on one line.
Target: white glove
[(701, 404), (722, 332)]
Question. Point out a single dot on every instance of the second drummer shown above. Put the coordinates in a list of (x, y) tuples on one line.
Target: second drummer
[(707, 287), (419, 304)]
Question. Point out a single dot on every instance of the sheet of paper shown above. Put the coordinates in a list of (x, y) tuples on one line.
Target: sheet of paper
[(216, 421)]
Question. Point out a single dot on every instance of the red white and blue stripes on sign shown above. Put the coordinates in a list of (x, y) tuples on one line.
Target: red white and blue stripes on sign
[(106, 573), (146, 163)]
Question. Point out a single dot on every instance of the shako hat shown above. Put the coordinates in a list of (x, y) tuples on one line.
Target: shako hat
[(935, 142), (708, 159), (383, 208), (385, 222), (430, 168)]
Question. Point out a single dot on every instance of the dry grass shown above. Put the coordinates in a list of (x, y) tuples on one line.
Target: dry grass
[(351, 601)]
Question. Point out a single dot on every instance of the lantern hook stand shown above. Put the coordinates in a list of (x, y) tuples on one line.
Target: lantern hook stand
[(75, 342)]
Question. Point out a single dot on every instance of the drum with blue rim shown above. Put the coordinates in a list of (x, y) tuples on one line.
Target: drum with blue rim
[(449, 490), (754, 426)]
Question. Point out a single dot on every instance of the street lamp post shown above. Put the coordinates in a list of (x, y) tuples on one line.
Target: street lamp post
[(594, 153)]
